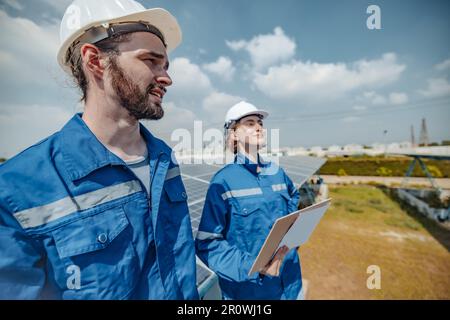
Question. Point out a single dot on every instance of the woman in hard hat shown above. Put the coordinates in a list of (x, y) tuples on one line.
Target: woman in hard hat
[(243, 201)]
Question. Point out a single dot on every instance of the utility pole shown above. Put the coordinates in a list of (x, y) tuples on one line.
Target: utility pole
[(424, 134), (413, 140), (385, 143)]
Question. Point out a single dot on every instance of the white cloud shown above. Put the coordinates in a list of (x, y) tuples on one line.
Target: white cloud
[(188, 78), (22, 126), (193, 90), (398, 98), (217, 104), (369, 94), (236, 45), (437, 87), (379, 100), (309, 79), (223, 67), (7, 58), (359, 108), (60, 6), (444, 65), (350, 119), (373, 98), (174, 118), (267, 49), (28, 51)]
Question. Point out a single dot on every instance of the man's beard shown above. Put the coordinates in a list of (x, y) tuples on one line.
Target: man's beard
[(131, 96)]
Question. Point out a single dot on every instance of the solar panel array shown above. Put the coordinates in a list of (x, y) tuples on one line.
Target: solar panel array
[(196, 179)]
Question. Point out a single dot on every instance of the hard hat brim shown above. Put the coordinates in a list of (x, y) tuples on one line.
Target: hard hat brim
[(262, 113), (158, 17)]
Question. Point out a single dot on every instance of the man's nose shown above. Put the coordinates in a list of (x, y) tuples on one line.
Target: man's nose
[(164, 79)]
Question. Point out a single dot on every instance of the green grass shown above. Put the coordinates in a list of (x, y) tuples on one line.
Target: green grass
[(363, 227), (380, 166)]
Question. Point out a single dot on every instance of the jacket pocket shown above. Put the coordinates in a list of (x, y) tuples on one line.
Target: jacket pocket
[(248, 208), (174, 203), (250, 223), (90, 234), (248, 214), (100, 248)]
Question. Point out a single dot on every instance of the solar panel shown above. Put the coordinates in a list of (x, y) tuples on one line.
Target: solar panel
[(196, 213), (202, 274), (207, 282), (195, 188), (300, 168), (195, 170)]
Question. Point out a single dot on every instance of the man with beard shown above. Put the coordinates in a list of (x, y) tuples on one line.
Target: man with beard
[(98, 210)]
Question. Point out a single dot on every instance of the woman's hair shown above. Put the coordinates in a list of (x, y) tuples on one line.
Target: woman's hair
[(231, 144)]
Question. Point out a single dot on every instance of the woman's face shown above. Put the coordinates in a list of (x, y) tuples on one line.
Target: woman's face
[(249, 133)]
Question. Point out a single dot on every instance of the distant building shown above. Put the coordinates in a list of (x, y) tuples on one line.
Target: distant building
[(317, 151), (392, 147), (334, 148), (353, 148), (298, 151)]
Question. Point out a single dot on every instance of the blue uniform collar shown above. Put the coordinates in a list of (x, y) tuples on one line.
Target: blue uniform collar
[(242, 159), (83, 153)]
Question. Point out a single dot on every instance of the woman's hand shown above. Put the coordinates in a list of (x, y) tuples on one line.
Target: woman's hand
[(273, 267)]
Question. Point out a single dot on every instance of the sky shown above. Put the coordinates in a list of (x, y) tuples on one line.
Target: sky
[(322, 74)]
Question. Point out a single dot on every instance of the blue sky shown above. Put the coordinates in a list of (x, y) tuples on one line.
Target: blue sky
[(322, 74)]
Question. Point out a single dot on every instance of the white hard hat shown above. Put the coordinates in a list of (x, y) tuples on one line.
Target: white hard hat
[(240, 110), (88, 21)]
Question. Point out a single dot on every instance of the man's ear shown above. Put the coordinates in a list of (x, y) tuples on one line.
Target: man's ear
[(93, 60)]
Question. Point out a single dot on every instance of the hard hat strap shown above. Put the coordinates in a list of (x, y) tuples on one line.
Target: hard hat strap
[(229, 124), (105, 31)]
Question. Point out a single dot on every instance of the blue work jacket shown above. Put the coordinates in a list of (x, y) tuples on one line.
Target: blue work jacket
[(76, 223)]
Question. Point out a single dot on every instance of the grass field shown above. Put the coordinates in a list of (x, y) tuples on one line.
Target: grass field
[(363, 227), (383, 166)]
